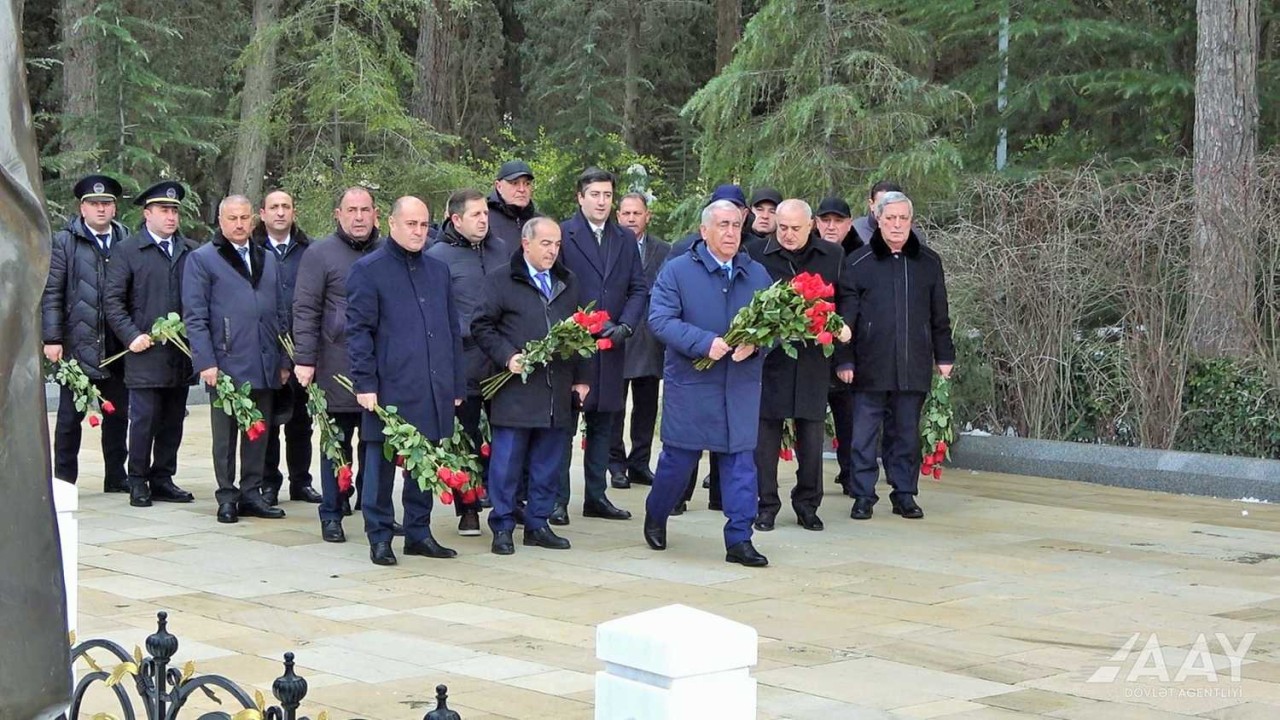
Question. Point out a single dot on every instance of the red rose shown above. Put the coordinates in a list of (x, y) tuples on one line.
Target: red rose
[(463, 476), (399, 461), (941, 447), (94, 421), (604, 344), (583, 444), (835, 443), (824, 338), (446, 497), (344, 478), (937, 473), (786, 454), (480, 492), (469, 497), (485, 450), (926, 468), (108, 407)]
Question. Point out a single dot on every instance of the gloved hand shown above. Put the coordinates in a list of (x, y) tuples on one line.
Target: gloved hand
[(616, 332)]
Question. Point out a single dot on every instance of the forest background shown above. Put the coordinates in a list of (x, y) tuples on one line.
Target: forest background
[(1098, 175)]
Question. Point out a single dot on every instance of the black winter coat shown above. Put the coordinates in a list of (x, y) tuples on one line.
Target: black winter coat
[(142, 285), (798, 388), (71, 309), (896, 304), (468, 265), (320, 313), (643, 350), (514, 313), (506, 221), (287, 266)]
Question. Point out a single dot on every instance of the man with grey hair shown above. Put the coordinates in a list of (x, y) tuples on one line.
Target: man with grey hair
[(795, 388), (234, 310), (694, 300), (893, 294)]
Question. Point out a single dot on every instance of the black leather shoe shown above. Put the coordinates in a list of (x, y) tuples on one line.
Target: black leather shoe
[(764, 522), (227, 513), (257, 507), (502, 543), (271, 496), (618, 479), (744, 553), (397, 529), (712, 505), (544, 537), (644, 476), (380, 554), (140, 494), (680, 509), (655, 533), (115, 486), (907, 508), (559, 515), (862, 508), (304, 493), (331, 531), (168, 492), (605, 510), (428, 547), (346, 507), (518, 513), (809, 520)]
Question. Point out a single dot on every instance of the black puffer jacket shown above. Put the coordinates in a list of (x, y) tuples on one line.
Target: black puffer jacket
[(71, 309), (506, 221), (468, 265), (515, 312)]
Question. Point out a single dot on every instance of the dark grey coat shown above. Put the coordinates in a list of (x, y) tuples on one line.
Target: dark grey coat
[(142, 285), (506, 221), (320, 312), (286, 267), (468, 265), (71, 313), (643, 350), (234, 318)]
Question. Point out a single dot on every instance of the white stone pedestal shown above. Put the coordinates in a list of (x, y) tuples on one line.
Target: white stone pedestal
[(675, 663), (66, 502)]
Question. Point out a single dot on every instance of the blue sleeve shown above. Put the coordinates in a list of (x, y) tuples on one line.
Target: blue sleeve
[(362, 325), (196, 284), (455, 330), (666, 312)]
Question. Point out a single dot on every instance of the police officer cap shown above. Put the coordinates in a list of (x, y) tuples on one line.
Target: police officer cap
[(766, 194), (166, 192), (833, 206), (732, 193), (513, 169), (97, 187)]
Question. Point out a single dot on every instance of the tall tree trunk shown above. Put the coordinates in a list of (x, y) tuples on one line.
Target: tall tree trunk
[(79, 84), (337, 120), (1224, 251), (437, 71), (728, 30), (631, 79), (507, 86), (249, 163)]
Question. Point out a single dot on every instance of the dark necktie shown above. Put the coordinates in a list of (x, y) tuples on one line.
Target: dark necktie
[(164, 248), (599, 236), (244, 256), (280, 249), (545, 284), (104, 241)]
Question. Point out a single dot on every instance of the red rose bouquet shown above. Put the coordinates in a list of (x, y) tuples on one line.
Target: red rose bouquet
[(566, 338), (237, 403), (84, 394), (937, 428), (330, 435), (800, 310)]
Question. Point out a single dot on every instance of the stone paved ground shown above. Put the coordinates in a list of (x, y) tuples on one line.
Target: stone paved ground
[(1001, 604)]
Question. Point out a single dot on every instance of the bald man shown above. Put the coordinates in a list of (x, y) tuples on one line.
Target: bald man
[(405, 349)]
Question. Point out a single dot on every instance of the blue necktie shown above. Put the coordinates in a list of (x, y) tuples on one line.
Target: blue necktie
[(164, 248), (244, 256), (545, 284)]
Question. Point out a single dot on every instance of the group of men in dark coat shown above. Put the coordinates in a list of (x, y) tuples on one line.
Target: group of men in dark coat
[(418, 319)]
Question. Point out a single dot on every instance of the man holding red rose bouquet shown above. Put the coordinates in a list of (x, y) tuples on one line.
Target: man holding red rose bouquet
[(531, 417)]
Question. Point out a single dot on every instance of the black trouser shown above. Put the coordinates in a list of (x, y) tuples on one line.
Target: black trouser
[(155, 433), (644, 414), (297, 442), (115, 433), (226, 435), (806, 496), (595, 458), (331, 498), (713, 497), (898, 413), (468, 414), (840, 398)]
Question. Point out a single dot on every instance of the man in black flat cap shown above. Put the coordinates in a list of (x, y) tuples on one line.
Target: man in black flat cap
[(511, 202), (75, 328), (144, 282)]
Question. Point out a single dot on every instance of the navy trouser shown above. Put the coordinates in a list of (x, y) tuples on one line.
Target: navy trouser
[(738, 488), (468, 414), (226, 435), (898, 413), (115, 431), (595, 458), (155, 432), (297, 442), (540, 451), (376, 501), (331, 498)]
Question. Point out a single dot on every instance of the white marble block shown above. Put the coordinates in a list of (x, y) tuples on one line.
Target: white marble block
[(675, 663), (66, 502)]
